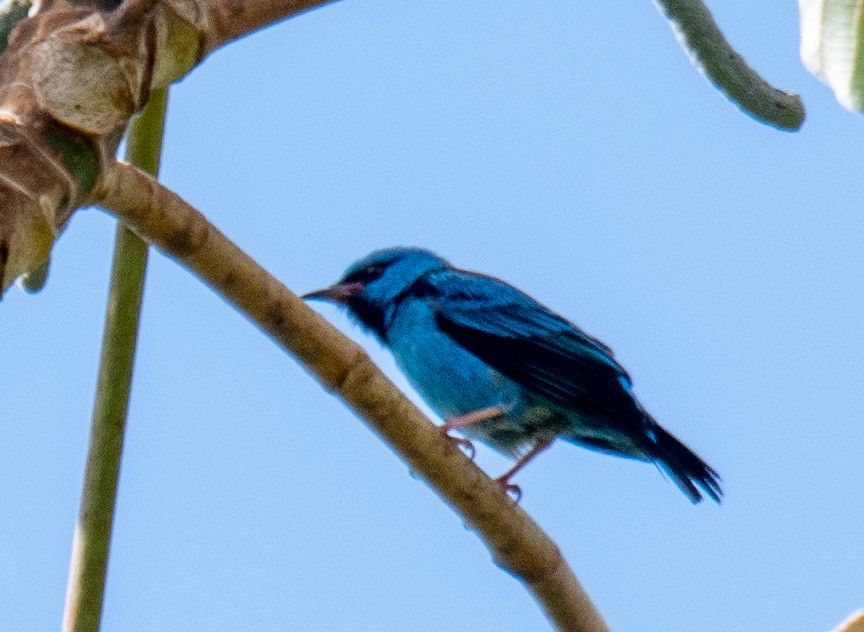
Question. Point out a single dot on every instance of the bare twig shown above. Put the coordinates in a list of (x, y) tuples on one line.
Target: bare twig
[(516, 542), (702, 38)]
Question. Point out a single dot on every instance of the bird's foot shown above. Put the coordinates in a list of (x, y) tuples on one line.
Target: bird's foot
[(463, 444), (460, 421), (509, 488)]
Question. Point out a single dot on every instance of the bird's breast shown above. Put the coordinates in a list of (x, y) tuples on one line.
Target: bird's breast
[(454, 382), (451, 380)]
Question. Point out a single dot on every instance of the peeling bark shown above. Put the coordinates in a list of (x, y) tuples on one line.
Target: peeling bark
[(71, 77)]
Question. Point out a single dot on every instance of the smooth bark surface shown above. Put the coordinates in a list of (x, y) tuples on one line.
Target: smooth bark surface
[(853, 623), (232, 19)]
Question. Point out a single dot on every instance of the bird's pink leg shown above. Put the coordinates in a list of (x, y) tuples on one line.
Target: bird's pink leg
[(504, 479), (472, 418), (467, 420)]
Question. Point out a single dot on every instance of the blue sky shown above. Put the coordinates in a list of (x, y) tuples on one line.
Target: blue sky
[(569, 148)]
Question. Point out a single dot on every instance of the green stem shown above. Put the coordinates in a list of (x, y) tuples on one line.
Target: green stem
[(699, 34), (90, 546)]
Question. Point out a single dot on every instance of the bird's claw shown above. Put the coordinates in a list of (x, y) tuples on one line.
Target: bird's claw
[(463, 444), (510, 488)]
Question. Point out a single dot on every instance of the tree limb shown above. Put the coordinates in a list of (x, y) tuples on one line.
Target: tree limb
[(853, 623), (516, 542), (232, 19)]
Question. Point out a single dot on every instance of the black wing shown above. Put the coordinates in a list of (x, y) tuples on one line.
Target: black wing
[(553, 358), (531, 345)]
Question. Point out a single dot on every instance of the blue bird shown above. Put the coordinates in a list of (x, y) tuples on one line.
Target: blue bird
[(503, 369)]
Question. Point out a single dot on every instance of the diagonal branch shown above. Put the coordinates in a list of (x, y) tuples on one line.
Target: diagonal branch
[(230, 20), (516, 542), (853, 623)]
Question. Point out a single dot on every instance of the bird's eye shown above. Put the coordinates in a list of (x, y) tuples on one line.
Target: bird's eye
[(365, 275)]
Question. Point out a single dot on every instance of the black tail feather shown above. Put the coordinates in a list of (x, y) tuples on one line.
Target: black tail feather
[(685, 468)]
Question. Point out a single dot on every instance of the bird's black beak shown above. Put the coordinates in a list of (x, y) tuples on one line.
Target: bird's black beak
[(340, 293)]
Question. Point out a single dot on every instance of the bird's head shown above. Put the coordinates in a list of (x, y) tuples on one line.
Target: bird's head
[(372, 287)]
